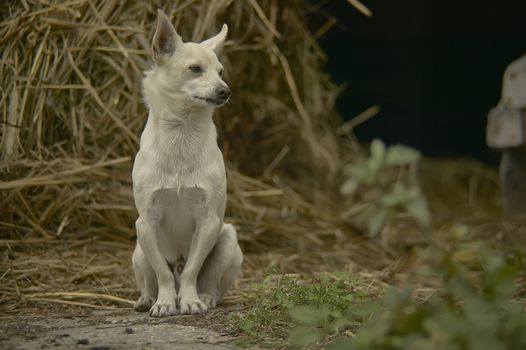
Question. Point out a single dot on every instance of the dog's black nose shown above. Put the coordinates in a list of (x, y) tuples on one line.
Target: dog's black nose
[(223, 93)]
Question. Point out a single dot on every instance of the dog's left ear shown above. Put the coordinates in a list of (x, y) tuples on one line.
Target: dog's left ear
[(216, 42)]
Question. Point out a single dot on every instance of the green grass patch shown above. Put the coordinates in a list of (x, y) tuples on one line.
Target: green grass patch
[(281, 300)]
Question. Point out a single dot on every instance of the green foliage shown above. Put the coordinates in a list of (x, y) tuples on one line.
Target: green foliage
[(283, 301), (473, 310), (373, 179)]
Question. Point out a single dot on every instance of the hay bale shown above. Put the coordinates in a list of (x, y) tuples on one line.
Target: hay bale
[(72, 111)]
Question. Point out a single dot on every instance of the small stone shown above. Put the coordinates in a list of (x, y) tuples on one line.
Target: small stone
[(83, 341), (129, 330)]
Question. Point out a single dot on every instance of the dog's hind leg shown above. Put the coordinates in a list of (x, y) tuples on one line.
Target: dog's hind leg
[(145, 279), (221, 267)]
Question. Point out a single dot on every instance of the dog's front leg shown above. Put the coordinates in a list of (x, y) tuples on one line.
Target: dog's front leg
[(147, 236), (204, 239)]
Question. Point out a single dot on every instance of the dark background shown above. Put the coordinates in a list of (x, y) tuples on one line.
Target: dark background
[(434, 67)]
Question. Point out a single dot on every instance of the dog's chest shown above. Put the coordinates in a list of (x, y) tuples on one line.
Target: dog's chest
[(180, 212), (176, 158)]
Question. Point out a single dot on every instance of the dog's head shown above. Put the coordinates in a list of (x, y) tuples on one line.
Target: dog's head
[(190, 71)]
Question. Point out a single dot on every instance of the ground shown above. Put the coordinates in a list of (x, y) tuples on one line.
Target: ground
[(57, 293), (122, 329), (70, 293), (78, 287)]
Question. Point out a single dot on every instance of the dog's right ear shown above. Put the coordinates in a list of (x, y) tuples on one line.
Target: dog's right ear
[(165, 39)]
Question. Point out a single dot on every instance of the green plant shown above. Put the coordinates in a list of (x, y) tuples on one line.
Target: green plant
[(282, 300), (373, 179), (472, 310)]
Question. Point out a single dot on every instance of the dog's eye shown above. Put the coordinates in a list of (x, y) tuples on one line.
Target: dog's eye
[(195, 68), (221, 73)]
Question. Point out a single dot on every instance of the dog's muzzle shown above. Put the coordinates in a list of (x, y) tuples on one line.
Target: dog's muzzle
[(222, 94)]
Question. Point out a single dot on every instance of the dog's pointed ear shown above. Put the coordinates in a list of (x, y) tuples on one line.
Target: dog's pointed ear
[(165, 39), (216, 42)]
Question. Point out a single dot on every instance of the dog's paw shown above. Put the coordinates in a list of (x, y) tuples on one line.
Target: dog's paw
[(144, 303), (192, 306), (208, 300), (163, 309)]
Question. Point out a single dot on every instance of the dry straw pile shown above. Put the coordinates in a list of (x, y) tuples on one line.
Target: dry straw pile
[(71, 113)]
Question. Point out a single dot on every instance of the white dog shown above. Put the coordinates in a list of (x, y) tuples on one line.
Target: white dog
[(184, 253)]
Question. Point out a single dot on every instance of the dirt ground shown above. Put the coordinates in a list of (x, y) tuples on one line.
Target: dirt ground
[(55, 293), (119, 329), (67, 296)]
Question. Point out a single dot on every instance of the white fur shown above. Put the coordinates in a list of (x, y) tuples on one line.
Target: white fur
[(179, 181)]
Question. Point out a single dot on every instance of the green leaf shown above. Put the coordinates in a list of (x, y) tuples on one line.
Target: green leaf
[(342, 344), (246, 326), (395, 297), (481, 315), (377, 159), (485, 341), (338, 323), (460, 288), (377, 150), (365, 309), (361, 173), (399, 195), (308, 315), (377, 220), (435, 328), (401, 155), (417, 208), (498, 279), (494, 263), (349, 187), (303, 336), (374, 332)]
